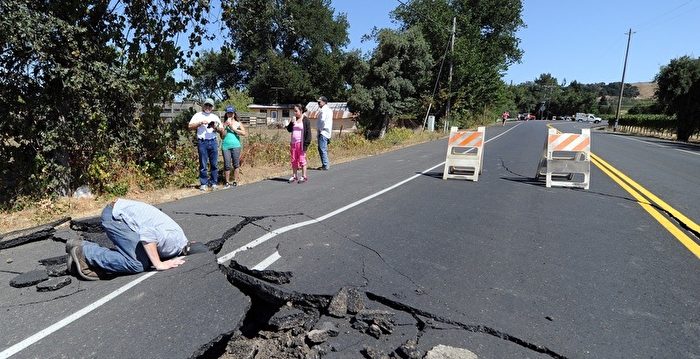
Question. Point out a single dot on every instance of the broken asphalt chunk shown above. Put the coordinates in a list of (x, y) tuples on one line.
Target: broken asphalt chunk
[(91, 224), (29, 278), (243, 348), (22, 236), (266, 275), (329, 327), (372, 353), (447, 352), (54, 260), (347, 300), (53, 284), (270, 293), (57, 270), (338, 306), (65, 234), (289, 318), (409, 350)]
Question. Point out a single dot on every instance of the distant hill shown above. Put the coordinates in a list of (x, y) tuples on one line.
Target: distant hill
[(646, 89)]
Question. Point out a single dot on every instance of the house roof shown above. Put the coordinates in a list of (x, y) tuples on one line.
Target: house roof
[(340, 110)]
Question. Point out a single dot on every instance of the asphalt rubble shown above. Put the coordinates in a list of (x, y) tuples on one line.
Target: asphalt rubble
[(281, 323)]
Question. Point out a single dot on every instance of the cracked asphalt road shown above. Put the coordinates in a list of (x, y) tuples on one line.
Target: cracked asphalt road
[(583, 273)]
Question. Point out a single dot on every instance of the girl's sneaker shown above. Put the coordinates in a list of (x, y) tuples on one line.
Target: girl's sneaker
[(302, 179), (227, 185), (292, 179)]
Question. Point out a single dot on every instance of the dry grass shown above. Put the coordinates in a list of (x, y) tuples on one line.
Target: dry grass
[(646, 89), (47, 210)]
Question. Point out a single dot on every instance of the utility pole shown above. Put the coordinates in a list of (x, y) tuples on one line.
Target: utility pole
[(622, 83), (449, 79)]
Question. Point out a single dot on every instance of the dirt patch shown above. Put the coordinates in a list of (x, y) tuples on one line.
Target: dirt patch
[(646, 89)]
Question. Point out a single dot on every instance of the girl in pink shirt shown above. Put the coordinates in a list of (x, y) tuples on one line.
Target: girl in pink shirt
[(300, 128)]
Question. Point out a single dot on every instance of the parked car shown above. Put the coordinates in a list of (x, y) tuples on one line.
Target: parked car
[(587, 117)]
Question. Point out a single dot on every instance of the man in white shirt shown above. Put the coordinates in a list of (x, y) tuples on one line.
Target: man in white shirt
[(207, 125), (324, 125)]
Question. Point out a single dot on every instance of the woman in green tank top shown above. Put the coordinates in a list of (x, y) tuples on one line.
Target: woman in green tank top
[(231, 132)]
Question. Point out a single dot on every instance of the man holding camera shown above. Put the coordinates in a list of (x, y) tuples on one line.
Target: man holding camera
[(207, 125)]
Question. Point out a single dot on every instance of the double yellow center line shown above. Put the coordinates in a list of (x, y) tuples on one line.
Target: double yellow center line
[(646, 198), (650, 202)]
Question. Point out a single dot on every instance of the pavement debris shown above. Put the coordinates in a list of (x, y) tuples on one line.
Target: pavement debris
[(29, 278), (53, 284), (33, 234), (447, 352), (52, 261), (267, 275), (90, 224), (65, 234), (57, 270)]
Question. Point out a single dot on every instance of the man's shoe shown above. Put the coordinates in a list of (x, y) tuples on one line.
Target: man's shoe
[(203, 188), (214, 187), (303, 179), (82, 269)]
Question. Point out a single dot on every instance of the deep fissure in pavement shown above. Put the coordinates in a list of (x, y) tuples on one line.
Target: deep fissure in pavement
[(284, 323)]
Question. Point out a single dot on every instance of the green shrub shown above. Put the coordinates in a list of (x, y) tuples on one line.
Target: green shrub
[(397, 135)]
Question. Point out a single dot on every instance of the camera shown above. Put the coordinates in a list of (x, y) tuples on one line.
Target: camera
[(212, 124)]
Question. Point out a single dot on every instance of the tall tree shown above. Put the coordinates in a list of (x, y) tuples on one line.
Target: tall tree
[(290, 51), (213, 73), (486, 44), (399, 72), (73, 74), (679, 93)]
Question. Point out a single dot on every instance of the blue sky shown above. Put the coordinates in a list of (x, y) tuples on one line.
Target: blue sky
[(581, 40), (576, 40)]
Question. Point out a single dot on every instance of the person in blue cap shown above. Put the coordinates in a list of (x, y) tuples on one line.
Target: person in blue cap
[(231, 132)]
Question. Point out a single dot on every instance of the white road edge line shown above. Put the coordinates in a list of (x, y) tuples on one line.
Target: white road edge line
[(642, 141), (275, 232), (690, 152), (71, 318), (75, 316), (268, 261)]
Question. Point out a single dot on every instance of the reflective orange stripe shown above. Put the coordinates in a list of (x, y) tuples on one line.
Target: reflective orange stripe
[(583, 144), (456, 136), (566, 142), (470, 138)]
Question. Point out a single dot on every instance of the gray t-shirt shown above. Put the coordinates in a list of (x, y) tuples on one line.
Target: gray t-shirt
[(151, 225)]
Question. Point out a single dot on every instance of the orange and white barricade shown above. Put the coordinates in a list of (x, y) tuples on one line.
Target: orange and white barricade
[(566, 159), (465, 154)]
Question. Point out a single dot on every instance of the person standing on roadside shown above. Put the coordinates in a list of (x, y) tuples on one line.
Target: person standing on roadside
[(231, 133), (207, 124), (324, 126), (504, 117), (300, 127)]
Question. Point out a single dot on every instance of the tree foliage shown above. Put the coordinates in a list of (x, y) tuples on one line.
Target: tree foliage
[(679, 93), (399, 72), (78, 80), (213, 73), (485, 45), (290, 51)]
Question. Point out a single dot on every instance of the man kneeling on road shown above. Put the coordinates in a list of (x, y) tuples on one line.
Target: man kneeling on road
[(143, 237)]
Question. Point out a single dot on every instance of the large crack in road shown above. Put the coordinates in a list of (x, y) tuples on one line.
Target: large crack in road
[(282, 323)]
